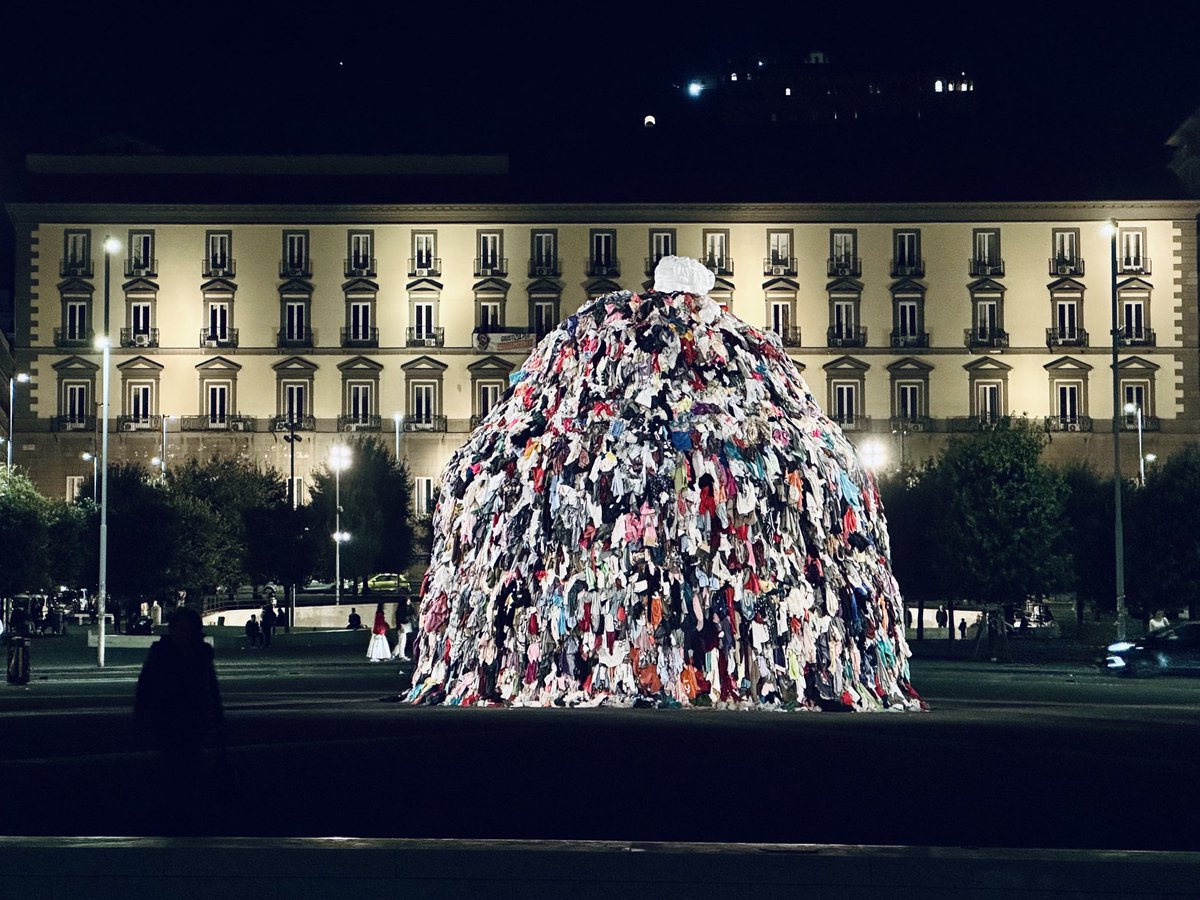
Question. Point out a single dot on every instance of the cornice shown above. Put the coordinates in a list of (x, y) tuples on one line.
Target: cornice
[(606, 213)]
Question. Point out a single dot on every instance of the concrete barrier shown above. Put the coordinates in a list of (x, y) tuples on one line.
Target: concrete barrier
[(129, 641)]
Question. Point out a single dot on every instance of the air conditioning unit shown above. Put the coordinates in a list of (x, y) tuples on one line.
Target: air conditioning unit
[(541, 270), (210, 341), (778, 270), (129, 426), (1071, 426), (141, 340), (843, 270), (421, 273), (237, 425), (1064, 270)]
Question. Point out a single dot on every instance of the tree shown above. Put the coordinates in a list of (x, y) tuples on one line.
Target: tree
[(24, 535), (1001, 533), (1088, 505), (911, 503), (72, 553), (376, 493), (1163, 540)]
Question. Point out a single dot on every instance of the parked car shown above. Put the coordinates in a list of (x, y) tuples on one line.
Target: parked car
[(1170, 651), (318, 587), (387, 583)]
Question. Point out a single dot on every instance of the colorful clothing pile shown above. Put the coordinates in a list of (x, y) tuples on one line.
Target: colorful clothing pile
[(658, 513)]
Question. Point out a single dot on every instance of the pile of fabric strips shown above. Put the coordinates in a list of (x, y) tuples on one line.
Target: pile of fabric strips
[(658, 513)]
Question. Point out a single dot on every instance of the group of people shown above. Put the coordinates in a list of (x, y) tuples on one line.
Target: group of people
[(379, 649), (260, 631)]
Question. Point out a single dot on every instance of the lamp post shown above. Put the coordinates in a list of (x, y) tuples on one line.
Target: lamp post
[(111, 246), (1136, 410), (339, 458), (23, 377), (398, 419), (91, 457), (1118, 525), (162, 460), (292, 440)]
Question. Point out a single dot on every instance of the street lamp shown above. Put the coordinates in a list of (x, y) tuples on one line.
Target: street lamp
[(398, 419), (111, 246), (22, 377), (873, 455), (1118, 527), (1136, 410), (162, 458), (339, 458), (292, 440), (91, 457)]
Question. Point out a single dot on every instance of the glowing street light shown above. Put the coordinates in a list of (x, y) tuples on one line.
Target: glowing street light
[(91, 457), (873, 455), (339, 459)]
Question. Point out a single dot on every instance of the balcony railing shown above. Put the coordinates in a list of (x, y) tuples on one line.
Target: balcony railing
[(139, 423), (146, 337), (852, 422), (603, 268), (295, 268), (141, 268), (1068, 423), (719, 265), (360, 337), (426, 337), (986, 267), (789, 335), (1136, 337), (1066, 265), (1149, 423), (778, 266), (910, 424), (909, 268), (73, 423), (360, 267), (358, 423), (79, 268), (846, 336), (1133, 265), (983, 422), (1066, 337), (424, 423), (907, 339), (843, 266), (210, 337), (218, 268), (216, 423), (985, 337), (546, 267), (64, 337), (295, 337), (424, 267), (300, 423), (485, 267)]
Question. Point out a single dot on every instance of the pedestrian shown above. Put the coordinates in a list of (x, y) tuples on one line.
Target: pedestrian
[(403, 627), (268, 623), (962, 628), (1159, 620), (354, 620), (378, 649), (942, 617), (253, 631)]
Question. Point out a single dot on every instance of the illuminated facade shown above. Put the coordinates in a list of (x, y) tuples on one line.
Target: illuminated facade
[(912, 322)]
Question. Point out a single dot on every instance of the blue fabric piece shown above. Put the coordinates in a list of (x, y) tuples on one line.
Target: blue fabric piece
[(850, 491), (681, 440)]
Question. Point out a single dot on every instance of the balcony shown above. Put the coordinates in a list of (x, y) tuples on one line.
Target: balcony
[(216, 423), (218, 267), (987, 268), (1149, 423), (843, 267), (985, 337), (294, 423), (852, 422), (911, 424), (425, 267), (73, 423), (215, 337), (295, 268), (846, 336), (909, 339), (295, 337), (1067, 423), (69, 267), (908, 268), (789, 335), (425, 337), (131, 424), (425, 423), (360, 337), (1133, 265), (603, 268), (777, 266), (74, 337), (719, 265), (1063, 265), (360, 267), (145, 337), (547, 267), (358, 423), (1066, 337), (486, 267), (1136, 337), (983, 422), (141, 268)]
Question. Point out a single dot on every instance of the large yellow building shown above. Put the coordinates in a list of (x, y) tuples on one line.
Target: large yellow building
[(911, 322)]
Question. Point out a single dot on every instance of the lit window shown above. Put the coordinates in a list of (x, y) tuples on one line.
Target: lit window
[(649, 122), (787, 92), (733, 76), (937, 86)]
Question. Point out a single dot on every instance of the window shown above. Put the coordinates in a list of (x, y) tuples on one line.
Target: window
[(295, 254), (845, 402), (359, 403), (906, 319), (360, 320), (74, 487), (987, 401), (422, 497), (423, 395), (139, 400), (425, 253), (423, 320), (1130, 250), (77, 253), (489, 316), (218, 320), (1133, 320), (662, 243), (545, 253), (986, 259), (987, 318), (906, 252), (490, 253), (545, 318), (781, 317), (844, 319), (295, 321), (361, 256), (299, 498), (76, 408), (1137, 393), (779, 250), (1068, 402), (843, 246), (77, 320), (295, 400), (488, 396), (219, 253), (216, 403), (909, 404), (716, 251), (139, 317), (141, 253), (603, 253), (1066, 250), (1066, 318)]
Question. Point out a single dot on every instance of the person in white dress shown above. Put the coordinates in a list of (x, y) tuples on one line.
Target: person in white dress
[(379, 650)]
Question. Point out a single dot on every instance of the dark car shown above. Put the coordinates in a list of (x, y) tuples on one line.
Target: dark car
[(1169, 651)]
